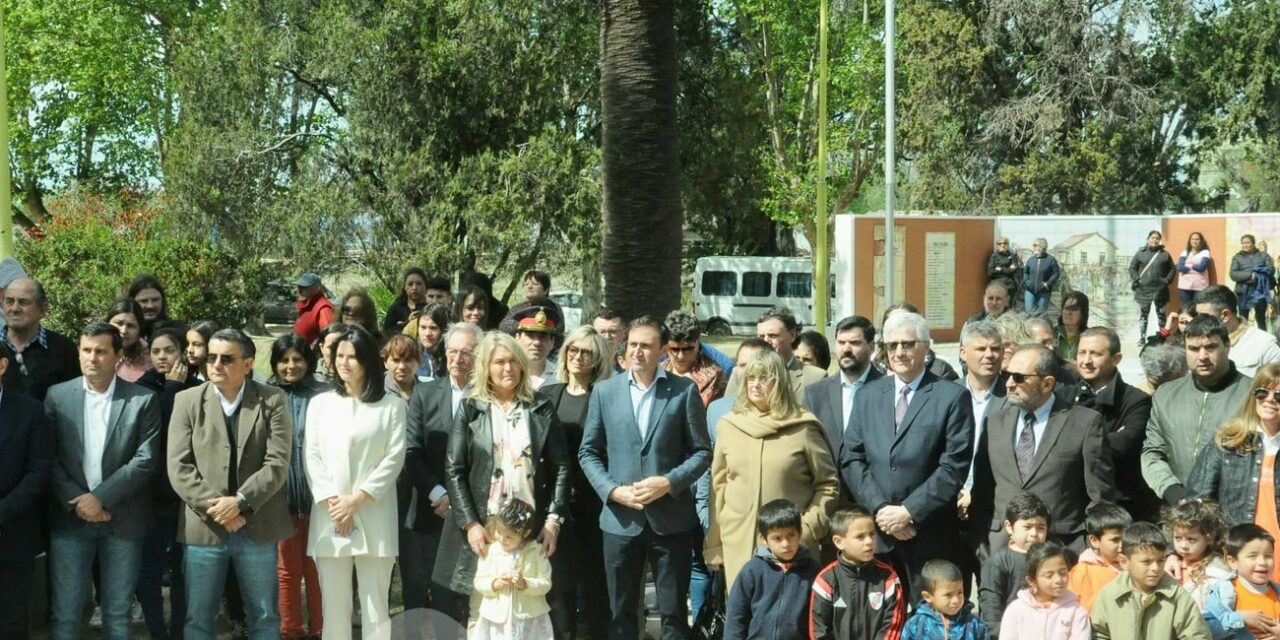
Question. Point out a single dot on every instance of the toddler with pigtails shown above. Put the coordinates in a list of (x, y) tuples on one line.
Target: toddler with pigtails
[(513, 579)]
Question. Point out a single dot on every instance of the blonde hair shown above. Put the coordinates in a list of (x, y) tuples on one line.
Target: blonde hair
[(603, 366), (481, 385), (1014, 329), (1238, 433), (769, 366)]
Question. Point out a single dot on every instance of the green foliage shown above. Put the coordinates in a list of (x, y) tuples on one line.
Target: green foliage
[(95, 245)]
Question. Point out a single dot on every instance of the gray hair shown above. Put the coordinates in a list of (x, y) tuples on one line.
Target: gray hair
[(1162, 363), (907, 320), (1046, 362), (471, 327), (1042, 242), (1013, 328), (1037, 321), (980, 329)]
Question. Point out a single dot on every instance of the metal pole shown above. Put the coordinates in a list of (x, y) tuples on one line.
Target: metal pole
[(6, 205), (890, 156), (822, 259)]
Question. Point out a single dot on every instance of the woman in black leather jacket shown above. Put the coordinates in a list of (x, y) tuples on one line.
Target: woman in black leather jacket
[(505, 444), (1238, 468)]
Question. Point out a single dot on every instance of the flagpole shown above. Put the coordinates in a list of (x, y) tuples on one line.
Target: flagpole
[(822, 259)]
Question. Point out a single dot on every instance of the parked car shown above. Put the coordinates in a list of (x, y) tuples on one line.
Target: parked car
[(280, 302)]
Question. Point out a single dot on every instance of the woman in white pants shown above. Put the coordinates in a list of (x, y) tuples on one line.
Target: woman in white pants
[(355, 449)]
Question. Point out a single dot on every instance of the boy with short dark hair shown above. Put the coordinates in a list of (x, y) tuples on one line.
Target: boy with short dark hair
[(944, 614), (769, 599), (1248, 605), (1105, 524), (1144, 602), (1026, 520), (856, 597)]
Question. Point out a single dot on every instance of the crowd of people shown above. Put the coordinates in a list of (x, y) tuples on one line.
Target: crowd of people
[(520, 478)]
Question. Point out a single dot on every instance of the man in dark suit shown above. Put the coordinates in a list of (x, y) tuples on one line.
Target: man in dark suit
[(431, 411), (906, 452), (105, 433), (25, 454), (831, 399), (1047, 447), (1125, 411), (644, 445), (230, 440)]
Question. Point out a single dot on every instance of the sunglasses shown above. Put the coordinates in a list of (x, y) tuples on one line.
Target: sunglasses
[(351, 311), (681, 350), (906, 345), (225, 358), (1020, 378), (1261, 394)]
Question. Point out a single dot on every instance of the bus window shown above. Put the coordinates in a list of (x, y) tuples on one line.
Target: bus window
[(795, 285), (719, 283), (756, 284)]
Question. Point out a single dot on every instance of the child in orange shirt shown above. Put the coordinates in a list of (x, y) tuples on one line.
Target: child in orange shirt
[(1247, 606), (1100, 563)]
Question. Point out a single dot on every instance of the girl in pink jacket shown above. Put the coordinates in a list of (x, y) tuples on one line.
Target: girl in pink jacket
[(1046, 609)]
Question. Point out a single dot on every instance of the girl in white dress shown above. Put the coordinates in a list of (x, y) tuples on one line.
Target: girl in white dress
[(513, 578)]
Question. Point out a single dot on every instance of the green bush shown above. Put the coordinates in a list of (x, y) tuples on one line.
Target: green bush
[(92, 246)]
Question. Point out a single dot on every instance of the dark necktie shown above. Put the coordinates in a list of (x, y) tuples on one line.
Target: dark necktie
[(1025, 452), (900, 409)]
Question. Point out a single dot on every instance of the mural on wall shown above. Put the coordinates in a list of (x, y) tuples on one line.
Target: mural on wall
[(1094, 254)]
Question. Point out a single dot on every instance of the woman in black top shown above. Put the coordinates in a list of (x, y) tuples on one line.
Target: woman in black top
[(585, 359), (413, 295)]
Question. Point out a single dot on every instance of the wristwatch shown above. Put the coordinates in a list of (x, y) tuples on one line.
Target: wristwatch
[(242, 503)]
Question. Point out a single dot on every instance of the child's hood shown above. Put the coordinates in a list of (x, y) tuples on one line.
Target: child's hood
[(802, 556), (1090, 556), (1067, 599)]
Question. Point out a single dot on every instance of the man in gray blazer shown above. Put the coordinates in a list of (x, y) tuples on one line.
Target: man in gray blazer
[(230, 441), (831, 399), (105, 433), (1043, 445), (906, 453), (644, 445)]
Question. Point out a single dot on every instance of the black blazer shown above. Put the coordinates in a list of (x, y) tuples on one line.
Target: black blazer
[(825, 399), (922, 466), (1071, 471), (26, 453), (426, 441), (1125, 411)]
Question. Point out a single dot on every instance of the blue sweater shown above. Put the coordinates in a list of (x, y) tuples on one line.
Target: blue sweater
[(768, 602), (927, 624)]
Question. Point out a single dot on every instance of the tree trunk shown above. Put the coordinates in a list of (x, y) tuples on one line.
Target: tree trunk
[(643, 220)]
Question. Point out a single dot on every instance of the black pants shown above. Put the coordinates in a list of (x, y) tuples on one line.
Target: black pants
[(417, 561), (1260, 314), (577, 575), (669, 558), (15, 607), (1144, 310)]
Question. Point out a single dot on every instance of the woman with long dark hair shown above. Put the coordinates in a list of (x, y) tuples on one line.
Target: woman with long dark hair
[(354, 452), (1193, 268), (412, 297), (293, 366), (471, 305), (197, 352), (126, 316), (428, 328), (1073, 321), (358, 309)]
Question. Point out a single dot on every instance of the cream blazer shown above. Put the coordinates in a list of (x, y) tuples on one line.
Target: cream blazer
[(355, 446), (530, 603)]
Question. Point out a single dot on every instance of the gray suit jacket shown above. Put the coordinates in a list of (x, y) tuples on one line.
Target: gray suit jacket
[(129, 459), (1071, 470), (199, 457), (825, 399), (675, 445)]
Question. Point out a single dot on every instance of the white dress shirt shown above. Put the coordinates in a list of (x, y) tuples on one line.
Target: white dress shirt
[(980, 402), (97, 417), (642, 399), (849, 391), (229, 406)]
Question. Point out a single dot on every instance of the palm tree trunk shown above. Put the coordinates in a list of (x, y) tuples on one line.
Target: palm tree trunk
[(643, 220)]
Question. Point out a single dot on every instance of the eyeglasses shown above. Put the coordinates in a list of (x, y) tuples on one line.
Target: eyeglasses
[(682, 350), (1261, 394), (225, 358), (1019, 378), (905, 345), (459, 353)]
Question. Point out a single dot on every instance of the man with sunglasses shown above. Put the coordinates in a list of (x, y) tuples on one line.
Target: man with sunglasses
[(41, 357), (685, 357), (1041, 444), (906, 453), (1185, 413), (230, 443)]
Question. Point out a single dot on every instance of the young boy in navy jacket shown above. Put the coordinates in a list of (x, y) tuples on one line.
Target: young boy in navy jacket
[(770, 598)]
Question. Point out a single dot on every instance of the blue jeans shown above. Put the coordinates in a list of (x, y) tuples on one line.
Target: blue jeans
[(71, 556), (1036, 301), (206, 567), (699, 578)]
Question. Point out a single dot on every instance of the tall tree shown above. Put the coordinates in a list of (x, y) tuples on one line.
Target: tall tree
[(643, 218)]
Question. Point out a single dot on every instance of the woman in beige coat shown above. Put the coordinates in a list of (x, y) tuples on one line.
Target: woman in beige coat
[(767, 447)]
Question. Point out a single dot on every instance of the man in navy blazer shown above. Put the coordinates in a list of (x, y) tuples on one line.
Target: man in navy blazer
[(105, 437), (907, 451), (831, 399), (644, 445), (25, 455)]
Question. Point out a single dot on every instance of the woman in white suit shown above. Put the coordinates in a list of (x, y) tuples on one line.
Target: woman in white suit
[(355, 449)]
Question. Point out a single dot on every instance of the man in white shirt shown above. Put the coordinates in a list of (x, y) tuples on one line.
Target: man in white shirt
[(1251, 347), (831, 399), (105, 434)]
